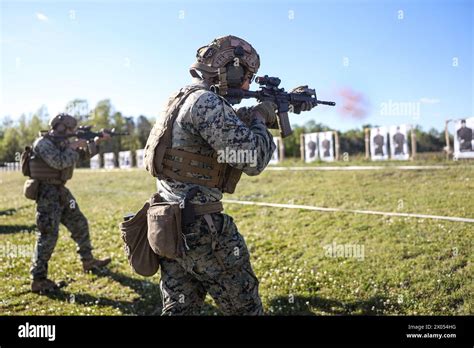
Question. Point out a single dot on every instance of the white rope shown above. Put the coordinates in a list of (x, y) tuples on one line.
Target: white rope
[(354, 211), (358, 168)]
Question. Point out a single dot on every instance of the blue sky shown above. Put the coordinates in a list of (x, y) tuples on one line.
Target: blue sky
[(417, 53)]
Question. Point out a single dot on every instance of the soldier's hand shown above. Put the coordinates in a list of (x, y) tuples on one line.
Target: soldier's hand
[(305, 106), (266, 112), (245, 115), (105, 136), (78, 144)]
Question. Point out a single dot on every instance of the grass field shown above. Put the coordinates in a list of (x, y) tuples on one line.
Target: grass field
[(408, 266)]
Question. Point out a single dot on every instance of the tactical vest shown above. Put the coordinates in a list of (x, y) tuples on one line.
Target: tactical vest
[(163, 161), (38, 169)]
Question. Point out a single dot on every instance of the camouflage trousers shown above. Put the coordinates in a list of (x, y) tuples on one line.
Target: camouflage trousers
[(225, 272), (55, 205)]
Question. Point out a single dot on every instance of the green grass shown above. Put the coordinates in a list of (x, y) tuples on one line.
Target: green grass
[(410, 266)]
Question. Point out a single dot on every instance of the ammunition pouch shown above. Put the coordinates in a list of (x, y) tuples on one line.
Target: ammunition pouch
[(164, 229), (166, 221)]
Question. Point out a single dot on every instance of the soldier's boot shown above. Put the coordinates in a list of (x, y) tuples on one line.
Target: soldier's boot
[(43, 285), (95, 264)]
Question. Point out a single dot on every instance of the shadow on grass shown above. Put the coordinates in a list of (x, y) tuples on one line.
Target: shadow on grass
[(149, 302), (10, 229), (7, 212), (301, 305)]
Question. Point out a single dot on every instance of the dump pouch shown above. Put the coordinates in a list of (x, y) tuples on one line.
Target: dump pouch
[(140, 255), (30, 189)]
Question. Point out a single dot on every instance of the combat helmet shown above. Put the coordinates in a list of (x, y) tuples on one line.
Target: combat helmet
[(67, 120), (226, 62)]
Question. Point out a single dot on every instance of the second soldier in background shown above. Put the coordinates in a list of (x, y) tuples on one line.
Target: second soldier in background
[(51, 164)]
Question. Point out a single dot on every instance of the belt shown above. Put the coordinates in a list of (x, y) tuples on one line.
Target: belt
[(52, 181), (208, 208), (197, 209), (189, 211)]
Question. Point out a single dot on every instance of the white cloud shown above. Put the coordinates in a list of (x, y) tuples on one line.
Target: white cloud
[(429, 100), (41, 17)]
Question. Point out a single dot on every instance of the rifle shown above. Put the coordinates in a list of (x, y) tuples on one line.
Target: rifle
[(269, 91), (85, 132)]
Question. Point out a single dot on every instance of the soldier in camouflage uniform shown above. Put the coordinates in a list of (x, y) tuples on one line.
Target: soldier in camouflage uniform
[(217, 261), (52, 163)]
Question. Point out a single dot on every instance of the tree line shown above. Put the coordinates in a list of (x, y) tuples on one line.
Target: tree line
[(15, 135)]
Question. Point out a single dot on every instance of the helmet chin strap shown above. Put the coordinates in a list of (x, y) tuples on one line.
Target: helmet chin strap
[(195, 74)]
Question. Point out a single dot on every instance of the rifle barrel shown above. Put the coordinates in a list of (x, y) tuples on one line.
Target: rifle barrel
[(323, 102)]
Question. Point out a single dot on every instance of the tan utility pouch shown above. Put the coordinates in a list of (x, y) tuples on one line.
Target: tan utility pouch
[(139, 253), (30, 189), (164, 229)]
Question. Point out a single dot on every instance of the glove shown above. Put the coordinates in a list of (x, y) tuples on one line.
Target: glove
[(305, 106), (267, 110), (245, 115)]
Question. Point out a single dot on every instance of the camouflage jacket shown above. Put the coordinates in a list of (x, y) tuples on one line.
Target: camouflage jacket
[(58, 155), (206, 123)]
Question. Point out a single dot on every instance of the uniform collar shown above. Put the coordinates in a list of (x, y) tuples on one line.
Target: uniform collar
[(201, 82)]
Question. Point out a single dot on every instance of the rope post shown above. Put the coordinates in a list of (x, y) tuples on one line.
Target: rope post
[(302, 147), (336, 145), (446, 137), (367, 140), (281, 149), (413, 143)]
